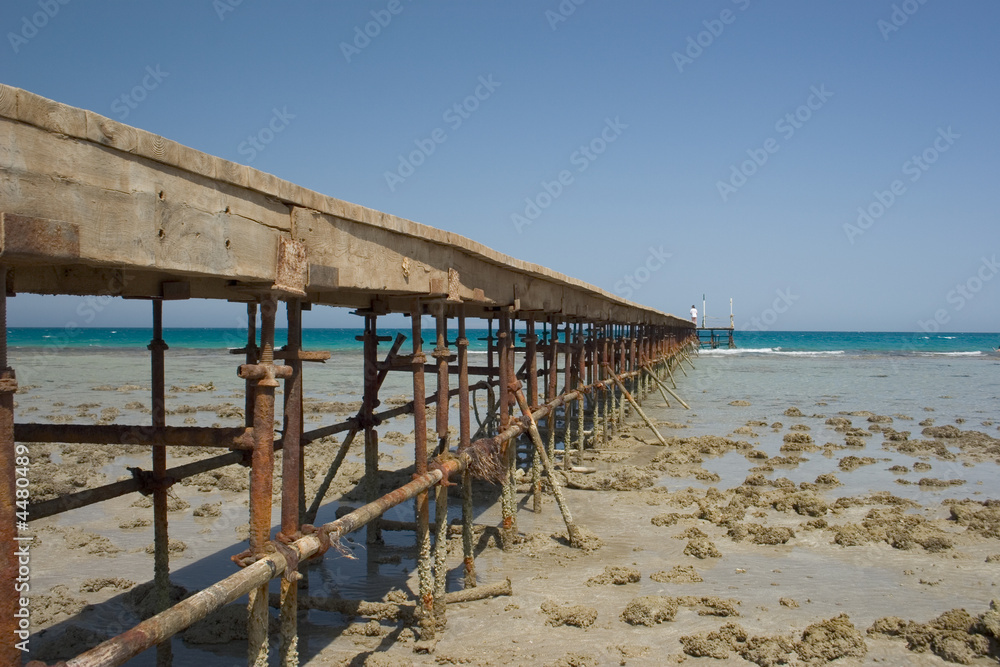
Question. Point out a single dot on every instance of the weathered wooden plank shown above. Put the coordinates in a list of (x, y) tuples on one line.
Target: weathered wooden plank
[(43, 112), (379, 260), (132, 213), (8, 101)]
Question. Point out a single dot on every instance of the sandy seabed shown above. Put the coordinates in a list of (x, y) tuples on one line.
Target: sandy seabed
[(705, 552)]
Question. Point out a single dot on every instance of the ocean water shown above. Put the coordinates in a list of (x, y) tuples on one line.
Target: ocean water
[(760, 342), (206, 338)]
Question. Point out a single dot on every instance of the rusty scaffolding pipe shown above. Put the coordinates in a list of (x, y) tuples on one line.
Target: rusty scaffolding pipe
[(10, 607), (161, 536), (291, 483), (508, 506), (468, 555), (262, 473), (442, 355), (422, 505), (366, 418)]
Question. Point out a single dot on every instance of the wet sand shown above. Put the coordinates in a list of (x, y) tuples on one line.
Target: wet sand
[(797, 534)]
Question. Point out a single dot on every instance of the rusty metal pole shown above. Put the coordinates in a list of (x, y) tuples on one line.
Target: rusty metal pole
[(640, 380), (369, 403), (491, 405), (633, 383), (252, 357), (652, 347), (531, 352), (553, 385), (650, 354), (606, 430), (568, 371), (464, 428), (10, 542), (261, 479), (612, 394), (595, 402), (425, 571), (291, 457), (622, 368), (161, 537), (291, 469), (442, 355), (508, 510), (581, 381)]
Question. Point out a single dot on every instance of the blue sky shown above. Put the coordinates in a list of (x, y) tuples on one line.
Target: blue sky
[(828, 165)]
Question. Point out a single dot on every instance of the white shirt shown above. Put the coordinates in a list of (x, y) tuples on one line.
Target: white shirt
[(694, 313)]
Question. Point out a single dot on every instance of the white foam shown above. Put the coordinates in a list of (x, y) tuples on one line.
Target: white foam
[(775, 350), (977, 353), (818, 353)]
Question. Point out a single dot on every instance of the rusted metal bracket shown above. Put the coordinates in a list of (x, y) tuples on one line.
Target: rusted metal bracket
[(292, 273), (439, 462), (267, 375), (291, 555), (321, 535), (26, 237), (148, 483)]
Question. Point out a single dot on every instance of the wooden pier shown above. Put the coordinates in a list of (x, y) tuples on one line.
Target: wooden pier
[(716, 337), (89, 206)]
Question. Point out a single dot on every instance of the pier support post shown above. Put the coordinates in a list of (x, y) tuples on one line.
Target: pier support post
[(634, 382), (568, 370), (266, 375), (595, 397), (606, 394), (161, 537), (620, 412), (291, 483), (508, 502), (468, 553), (370, 341), (581, 381), (552, 384), (491, 402), (9, 599), (251, 356), (442, 355), (425, 573), (531, 352)]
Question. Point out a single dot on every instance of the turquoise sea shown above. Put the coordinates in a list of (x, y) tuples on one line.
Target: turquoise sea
[(752, 342)]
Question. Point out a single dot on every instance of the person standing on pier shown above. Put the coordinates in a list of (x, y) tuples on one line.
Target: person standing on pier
[(694, 315)]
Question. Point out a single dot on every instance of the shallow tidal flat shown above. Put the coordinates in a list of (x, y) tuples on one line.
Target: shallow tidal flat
[(789, 521)]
